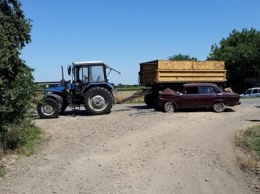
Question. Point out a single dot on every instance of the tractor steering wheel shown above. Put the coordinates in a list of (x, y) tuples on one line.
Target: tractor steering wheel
[(85, 78)]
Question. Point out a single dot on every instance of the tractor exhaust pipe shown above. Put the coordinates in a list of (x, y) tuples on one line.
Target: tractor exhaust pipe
[(62, 76)]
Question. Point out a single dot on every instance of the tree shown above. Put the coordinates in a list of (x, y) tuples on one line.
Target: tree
[(241, 53), (182, 57), (16, 80)]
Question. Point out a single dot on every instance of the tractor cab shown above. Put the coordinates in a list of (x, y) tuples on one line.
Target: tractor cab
[(87, 72)]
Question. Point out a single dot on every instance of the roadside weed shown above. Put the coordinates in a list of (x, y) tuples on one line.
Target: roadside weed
[(249, 140)]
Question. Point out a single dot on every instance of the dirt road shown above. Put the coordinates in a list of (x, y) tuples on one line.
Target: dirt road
[(153, 152)]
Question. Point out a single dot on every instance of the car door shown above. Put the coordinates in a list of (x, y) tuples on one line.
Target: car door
[(206, 96), (254, 92), (258, 93), (189, 97)]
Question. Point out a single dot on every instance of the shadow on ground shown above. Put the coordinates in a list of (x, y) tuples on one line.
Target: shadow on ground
[(144, 107), (253, 120)]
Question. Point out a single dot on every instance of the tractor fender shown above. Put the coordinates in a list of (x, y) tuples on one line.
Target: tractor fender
[(106, 85), (56, 97)]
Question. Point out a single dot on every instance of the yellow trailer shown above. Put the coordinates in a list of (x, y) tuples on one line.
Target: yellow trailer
[(166, 71)]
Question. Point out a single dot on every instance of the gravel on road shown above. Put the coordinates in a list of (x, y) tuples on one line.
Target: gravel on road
[(135, 150)]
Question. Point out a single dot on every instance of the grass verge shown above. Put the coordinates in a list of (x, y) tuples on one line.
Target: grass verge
[(249, 140), (31, 141)]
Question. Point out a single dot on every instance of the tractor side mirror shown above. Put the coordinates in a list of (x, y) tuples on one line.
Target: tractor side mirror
[(70, 70)]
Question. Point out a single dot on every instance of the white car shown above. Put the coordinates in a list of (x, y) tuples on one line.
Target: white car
[(251, 92)]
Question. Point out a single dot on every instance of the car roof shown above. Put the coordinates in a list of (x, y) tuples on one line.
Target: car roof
[(253, 88), (198, 84)]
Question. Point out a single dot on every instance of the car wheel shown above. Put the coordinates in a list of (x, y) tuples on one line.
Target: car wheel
[(169, 107), (219, 107)]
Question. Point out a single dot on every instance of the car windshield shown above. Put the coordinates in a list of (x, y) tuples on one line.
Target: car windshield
[(248, 91)]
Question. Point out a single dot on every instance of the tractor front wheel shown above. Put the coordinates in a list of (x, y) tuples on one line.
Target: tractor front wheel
[(98, 100), (48, 108)]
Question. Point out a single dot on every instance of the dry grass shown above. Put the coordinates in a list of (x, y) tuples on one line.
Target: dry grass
[(251, 165), (119, 95), (249, 141)]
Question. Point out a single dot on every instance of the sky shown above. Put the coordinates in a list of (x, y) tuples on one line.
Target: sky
[(125, 33)]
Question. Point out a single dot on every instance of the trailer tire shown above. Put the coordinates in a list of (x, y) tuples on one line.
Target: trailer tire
[(98, 100), (48, 108), (151, 99)]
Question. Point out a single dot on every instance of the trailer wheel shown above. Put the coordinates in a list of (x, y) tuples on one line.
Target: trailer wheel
[(98, 100), (151, 99), (48, 108), (169, 107), (219, 107)]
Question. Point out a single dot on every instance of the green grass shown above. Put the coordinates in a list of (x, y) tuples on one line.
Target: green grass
[(31, 141), (2, 171), (249, 140)]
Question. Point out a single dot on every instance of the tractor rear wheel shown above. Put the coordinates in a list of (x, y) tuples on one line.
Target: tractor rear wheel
[(48, 108), (98, 100)]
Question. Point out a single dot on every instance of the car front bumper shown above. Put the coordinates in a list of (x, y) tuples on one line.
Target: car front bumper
[(237, 103)]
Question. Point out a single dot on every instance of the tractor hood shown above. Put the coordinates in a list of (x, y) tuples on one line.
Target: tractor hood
[(55, 88)]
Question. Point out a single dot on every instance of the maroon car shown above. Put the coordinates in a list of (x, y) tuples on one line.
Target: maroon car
[(197, 95)]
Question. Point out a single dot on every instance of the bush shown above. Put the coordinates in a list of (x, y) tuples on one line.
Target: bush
[(17, 86), (22, 135)]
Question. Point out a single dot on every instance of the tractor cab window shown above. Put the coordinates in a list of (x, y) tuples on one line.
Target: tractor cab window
[(81, 74), (77, 74), (97, 74), (85, 75)]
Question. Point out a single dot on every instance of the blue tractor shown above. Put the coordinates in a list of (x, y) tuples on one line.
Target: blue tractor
[(89, 87)]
